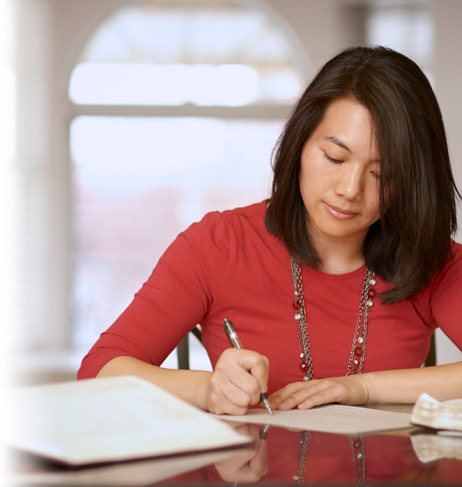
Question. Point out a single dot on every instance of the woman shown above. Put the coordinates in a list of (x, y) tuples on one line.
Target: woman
[(336, 284)]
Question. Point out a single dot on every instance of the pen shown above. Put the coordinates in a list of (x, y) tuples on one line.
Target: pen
[(264, 432), (236, 343)]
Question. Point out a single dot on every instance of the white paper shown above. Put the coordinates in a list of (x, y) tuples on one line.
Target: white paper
[(109, 419), (333, 418)]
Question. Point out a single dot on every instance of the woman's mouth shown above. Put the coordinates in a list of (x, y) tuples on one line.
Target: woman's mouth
[(340, 213)]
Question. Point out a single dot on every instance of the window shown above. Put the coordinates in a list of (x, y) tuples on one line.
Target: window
[(178, 107), (194, 52)]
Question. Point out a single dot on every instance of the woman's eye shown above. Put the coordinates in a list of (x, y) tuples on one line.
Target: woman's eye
[(376, 174), (331, 159)]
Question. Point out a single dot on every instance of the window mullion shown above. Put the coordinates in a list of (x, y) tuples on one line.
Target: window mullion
[(242, 112)]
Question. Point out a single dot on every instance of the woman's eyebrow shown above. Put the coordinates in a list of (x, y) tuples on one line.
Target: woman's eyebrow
[(338, 142)]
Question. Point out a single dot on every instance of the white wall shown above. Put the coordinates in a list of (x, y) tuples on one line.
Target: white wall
[(448, 82), (447, 15)]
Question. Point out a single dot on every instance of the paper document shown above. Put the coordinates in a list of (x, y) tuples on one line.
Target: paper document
[(110, 419), (332, 418)]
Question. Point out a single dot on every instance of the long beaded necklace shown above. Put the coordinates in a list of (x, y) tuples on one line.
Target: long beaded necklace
[(358, 348)]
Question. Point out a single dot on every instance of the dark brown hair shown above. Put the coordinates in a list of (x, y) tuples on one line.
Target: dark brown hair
[(412, 239)]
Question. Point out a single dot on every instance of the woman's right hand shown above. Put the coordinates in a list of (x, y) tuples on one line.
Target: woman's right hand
[(249, 464), (240, 376)]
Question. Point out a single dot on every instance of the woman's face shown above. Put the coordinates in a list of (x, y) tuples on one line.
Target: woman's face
[(340, 175)]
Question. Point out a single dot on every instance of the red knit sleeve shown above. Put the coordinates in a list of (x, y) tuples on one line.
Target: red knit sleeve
[(172, 301)]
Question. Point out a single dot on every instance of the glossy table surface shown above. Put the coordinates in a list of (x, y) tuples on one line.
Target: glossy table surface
[(277, 457)]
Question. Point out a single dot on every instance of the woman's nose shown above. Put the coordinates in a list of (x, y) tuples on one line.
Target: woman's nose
[(351, 182)]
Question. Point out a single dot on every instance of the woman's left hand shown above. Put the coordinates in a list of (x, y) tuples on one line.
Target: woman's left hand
[(305, 395)]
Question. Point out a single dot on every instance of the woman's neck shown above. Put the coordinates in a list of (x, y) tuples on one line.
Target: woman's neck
[(339, 257), (335, 264)]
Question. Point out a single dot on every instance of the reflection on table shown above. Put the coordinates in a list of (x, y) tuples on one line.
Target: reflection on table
[(278, 457), (312, 458)]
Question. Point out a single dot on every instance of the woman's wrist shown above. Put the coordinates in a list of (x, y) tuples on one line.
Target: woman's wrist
[(361, 391)]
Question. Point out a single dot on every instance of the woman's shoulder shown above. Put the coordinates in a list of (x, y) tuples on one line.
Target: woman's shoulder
[(456, 250), (207, 244), (450, 274), (237, 220), (255, 211), (453, 262), (238, 231)]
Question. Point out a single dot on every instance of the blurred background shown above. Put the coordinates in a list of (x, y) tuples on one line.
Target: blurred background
[(122, 122)]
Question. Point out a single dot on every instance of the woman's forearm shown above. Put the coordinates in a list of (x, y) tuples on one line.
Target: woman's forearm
[(404, 386), (189, 385), (442, 382), (239, 378)]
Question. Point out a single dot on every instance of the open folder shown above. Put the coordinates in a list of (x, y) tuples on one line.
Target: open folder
[(110, 419)]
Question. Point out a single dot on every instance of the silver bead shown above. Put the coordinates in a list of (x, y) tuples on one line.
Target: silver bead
[(360, 340), (373, 282), (359, 455), (295, 477), (305, 378), (297, 316), (302, 355), (355, 362), (370, 302)]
